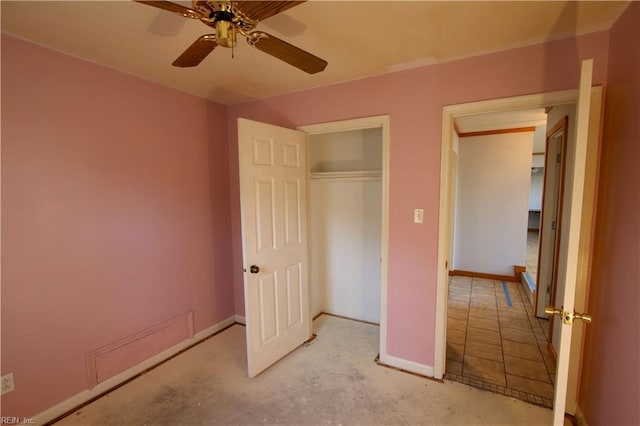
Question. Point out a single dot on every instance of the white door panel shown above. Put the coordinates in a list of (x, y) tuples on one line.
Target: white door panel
[(274, 222), (576, 188)]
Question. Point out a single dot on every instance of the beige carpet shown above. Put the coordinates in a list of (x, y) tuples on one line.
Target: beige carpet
[(332, 381)]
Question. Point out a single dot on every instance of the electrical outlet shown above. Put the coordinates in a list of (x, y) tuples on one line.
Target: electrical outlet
[(7, 383)]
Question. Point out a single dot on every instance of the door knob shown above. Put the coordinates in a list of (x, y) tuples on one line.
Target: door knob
[(568, 317), (584, 317), (550, 310), (254, 269)]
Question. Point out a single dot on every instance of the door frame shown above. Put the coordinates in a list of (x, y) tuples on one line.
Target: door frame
[(383, 122), (540, 100), (563, 124)]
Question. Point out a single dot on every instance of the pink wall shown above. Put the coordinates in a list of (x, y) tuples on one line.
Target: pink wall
[(115, 216), (610, 386), (414, 100)]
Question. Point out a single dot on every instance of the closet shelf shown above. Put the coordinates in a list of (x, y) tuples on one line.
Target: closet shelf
[(344, 175)]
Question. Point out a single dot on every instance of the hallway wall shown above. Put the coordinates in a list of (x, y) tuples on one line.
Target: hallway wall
[(492, 193)]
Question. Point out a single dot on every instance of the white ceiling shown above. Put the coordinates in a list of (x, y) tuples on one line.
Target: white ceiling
[(357, 38)]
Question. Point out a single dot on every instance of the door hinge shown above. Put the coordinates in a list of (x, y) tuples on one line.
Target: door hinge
[(558, 158), (554, 225)]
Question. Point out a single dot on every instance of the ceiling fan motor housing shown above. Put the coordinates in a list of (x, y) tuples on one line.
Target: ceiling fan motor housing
[(225, 29)]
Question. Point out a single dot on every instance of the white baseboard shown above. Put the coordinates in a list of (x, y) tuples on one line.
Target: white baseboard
[(410, 366), (84, 396), (240, 320)]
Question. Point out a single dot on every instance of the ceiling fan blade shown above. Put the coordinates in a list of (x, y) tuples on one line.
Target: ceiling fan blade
[(286, 52), (196, 52), (172, 7), (260, 10)]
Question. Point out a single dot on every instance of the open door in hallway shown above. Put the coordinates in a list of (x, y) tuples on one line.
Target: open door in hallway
[(565, 300), (273, 191)]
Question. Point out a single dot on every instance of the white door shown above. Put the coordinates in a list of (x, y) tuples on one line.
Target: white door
[(273, 196), (565, 302)]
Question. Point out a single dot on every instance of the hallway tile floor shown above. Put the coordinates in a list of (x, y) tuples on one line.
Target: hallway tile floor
[(495, 343)]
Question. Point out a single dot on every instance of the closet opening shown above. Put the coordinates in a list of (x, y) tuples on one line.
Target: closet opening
[(347, 195)]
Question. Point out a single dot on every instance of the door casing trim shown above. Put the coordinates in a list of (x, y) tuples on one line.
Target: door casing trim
[(449, 113)]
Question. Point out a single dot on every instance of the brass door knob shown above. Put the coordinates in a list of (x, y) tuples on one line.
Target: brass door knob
[(584, 317), (567, 317), (550, 310)]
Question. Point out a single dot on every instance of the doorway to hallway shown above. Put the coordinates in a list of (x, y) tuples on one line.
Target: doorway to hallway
[(581, 205)]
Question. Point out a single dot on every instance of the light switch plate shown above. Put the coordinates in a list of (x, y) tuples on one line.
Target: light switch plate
[(418, 215)]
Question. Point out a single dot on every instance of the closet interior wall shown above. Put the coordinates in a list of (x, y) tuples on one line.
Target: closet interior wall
[(345, 193)]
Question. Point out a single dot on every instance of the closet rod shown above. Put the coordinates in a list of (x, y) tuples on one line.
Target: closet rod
[(355, 175)]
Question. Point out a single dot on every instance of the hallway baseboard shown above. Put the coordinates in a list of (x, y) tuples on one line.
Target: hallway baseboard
[(528, 285), (517, 270)]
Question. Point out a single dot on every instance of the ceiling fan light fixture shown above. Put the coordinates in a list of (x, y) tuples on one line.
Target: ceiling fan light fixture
[(229, 18), (226, 33)]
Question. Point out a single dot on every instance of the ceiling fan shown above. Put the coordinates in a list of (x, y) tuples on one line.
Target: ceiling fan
[(230, 18)]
